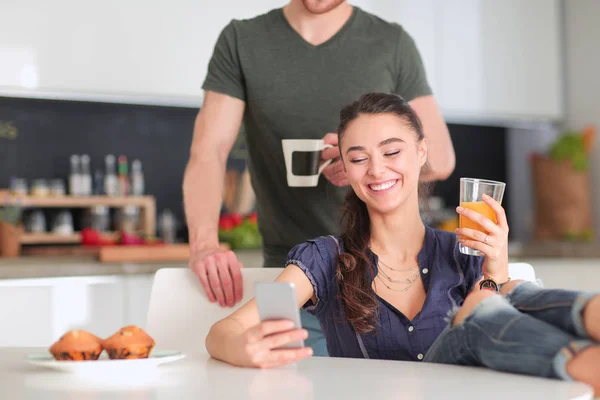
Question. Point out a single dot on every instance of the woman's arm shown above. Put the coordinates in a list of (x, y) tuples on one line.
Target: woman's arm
[(241, 339)]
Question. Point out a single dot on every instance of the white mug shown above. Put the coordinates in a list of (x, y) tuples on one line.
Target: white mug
[(302, 159)]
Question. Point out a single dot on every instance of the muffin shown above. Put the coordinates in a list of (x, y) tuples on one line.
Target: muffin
[(129, 342), (77, 345)]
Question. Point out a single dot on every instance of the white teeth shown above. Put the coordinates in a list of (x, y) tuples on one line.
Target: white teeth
[(383, 186)]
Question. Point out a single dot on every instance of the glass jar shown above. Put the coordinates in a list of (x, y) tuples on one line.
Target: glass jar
[(35, 222), (18, 186), (100, 218), (63, 223), (128, 219), (40, 188), (57, 187)]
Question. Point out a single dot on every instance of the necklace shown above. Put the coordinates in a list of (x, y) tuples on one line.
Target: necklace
[(391, 288), (407, 281), (395, 269)]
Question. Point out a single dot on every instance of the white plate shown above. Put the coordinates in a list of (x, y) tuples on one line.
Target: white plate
[(104, 364)]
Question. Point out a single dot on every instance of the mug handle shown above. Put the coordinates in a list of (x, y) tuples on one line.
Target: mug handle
[(326, 163)]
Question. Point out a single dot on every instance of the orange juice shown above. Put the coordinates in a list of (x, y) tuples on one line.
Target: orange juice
[(481, 208)]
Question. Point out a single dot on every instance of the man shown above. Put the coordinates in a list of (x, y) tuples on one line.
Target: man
[(287, 74)]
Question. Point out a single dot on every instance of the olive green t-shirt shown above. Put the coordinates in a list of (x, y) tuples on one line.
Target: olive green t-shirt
[(292, 90)]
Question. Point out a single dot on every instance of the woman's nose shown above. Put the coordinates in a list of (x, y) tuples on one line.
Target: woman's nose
[(376, 168)]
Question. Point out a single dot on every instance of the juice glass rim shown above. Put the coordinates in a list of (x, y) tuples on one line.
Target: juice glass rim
[(486, 181)]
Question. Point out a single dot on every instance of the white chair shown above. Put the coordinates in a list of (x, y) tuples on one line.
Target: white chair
[(179, 313), (522, 271)]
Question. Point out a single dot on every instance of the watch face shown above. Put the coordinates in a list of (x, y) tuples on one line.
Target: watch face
[(488, 284)]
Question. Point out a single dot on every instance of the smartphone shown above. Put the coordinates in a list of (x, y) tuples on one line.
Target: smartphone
[(277, 300)]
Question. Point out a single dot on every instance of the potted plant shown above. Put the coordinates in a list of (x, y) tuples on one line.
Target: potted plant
[(562, 188), (11, 229)]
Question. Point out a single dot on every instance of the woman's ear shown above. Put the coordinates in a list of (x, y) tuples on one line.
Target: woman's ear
[(422, 152)]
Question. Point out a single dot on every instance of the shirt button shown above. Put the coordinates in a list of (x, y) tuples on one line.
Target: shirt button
[(411, 328), (425, 270), (420, 356)]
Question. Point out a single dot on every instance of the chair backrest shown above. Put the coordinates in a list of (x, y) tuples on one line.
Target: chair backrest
[(522, 271), (179, 313)]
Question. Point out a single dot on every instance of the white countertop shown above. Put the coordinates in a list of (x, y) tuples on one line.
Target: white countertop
[(200, 377)]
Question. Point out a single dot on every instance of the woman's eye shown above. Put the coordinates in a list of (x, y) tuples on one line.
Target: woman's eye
[(357, 160), (392, 153)]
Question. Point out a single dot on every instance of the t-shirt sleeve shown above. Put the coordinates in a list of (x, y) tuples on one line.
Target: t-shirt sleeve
[(411, 80), (317, 259), (224, 70)]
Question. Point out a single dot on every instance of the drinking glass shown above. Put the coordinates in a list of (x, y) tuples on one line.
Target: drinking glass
[(471, 192)]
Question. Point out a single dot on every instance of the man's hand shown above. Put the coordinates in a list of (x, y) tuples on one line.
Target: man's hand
[(220, 275), (335, 171)]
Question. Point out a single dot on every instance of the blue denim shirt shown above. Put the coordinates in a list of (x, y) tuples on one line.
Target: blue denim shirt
[(447, 274)]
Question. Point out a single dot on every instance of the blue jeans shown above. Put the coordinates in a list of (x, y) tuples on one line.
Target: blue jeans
[(530, 330), (316, 339)]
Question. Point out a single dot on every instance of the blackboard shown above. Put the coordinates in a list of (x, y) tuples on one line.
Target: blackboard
[(48, 132)]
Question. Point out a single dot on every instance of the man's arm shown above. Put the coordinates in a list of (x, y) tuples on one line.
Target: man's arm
[(440, 151), (215, 132)]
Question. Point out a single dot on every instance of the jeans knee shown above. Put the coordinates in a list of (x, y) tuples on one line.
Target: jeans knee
[(471, 301)]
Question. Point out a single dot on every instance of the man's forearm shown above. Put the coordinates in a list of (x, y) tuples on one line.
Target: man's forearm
[(203, 196)]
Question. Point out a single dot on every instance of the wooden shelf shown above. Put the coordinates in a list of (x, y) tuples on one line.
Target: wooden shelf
[(82, 201), (147, 205), (53, 238)]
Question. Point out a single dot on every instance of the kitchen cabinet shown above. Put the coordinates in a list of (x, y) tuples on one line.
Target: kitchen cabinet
[(418, 19), (36, 312), (137, 298), (486, 60), (567, 273), (499, 59)]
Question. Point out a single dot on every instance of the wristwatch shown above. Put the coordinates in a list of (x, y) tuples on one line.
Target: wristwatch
[(490, 284)]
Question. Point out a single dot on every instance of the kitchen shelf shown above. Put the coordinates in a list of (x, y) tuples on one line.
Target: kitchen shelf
[(53, 238), (82, 201), (147, 205)]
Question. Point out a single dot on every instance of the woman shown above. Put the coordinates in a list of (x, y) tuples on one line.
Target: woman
[(390, 287)]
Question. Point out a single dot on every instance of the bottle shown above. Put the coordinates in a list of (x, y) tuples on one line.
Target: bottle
[(123, 176), (111, 185), (137, 178), (168, 226), (86, 176), (98, 187), (75, 176)]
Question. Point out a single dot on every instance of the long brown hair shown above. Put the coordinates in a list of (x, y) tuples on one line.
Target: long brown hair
[(356, 292)]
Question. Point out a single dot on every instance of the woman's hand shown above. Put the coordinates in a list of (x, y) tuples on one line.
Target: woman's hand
[(259, 346), (493, 245)]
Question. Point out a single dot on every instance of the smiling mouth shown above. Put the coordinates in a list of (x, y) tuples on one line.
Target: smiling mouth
[(380, 187)]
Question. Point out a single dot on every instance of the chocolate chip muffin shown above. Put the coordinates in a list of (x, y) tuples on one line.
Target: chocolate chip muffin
[(77, 345), (129, 342)]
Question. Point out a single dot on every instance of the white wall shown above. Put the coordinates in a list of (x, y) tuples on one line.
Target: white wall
[(583, 77)]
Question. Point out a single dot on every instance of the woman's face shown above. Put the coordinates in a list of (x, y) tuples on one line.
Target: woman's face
[(382, 158)]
